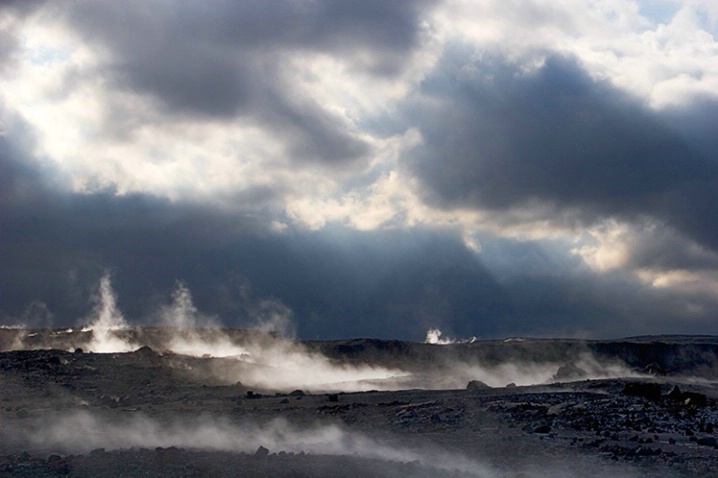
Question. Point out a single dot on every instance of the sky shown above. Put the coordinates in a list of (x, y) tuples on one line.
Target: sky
[(363, 169)]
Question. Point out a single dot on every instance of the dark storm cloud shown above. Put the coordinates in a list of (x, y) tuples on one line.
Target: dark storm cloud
[(54, 246), (559, 136), (495, 138), (338, 283), (550, 292), (661, 248), (227, 59)]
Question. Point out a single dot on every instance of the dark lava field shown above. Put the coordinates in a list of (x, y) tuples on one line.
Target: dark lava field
[(143, 402)]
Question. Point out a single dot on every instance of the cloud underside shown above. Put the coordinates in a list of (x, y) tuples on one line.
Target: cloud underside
[(364, 165)]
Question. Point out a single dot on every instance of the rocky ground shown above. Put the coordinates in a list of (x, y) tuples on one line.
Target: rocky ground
[(158, 413)]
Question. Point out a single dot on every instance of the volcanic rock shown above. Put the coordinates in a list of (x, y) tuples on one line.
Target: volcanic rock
[(593, 427), (145, 351), (707, 441), (650, 391), (543, 429), (569, 372), (477, 385), (693, 398), (675, 393)]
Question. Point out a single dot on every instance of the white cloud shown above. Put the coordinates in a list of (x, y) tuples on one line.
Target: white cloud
[(665, 63), (658, 257), (609, 248), (102, 136)]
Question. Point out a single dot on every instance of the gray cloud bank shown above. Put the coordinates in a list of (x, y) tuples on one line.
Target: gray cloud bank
[(556, 135), (229, 59), (337, 282), (495, 138)]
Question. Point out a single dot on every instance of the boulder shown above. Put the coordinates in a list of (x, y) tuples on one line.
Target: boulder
[(261, 452), (108, 401), (477, 385), (569, 371), (145, 352), (708, 441), (675, 393)]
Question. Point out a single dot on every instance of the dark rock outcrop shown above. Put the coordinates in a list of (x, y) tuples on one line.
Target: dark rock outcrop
[(650, 391), (477, 385)]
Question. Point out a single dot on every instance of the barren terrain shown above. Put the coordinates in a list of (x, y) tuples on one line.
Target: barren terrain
[(206, 402)]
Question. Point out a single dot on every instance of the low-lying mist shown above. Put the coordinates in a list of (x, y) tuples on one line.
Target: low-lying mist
[(268, 358), (82, 432)]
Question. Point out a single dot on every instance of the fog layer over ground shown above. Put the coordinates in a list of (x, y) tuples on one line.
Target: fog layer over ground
[(268, 360), (82, 432)]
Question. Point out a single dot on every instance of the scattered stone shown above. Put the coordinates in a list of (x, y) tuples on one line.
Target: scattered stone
[(696, 399), (78, 350), (477, 385), (647, 451), (23, 457), (261, 452), (556, 409), (108, 401), (708, 441), (297, 393), (284, 401), (58, 464), (333, 397), (511, 385), (543, 429)]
